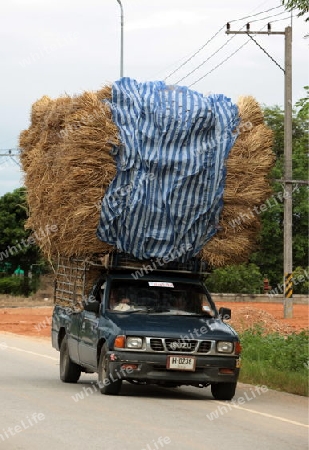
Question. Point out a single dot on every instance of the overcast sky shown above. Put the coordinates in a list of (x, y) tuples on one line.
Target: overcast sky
[(53, 47)]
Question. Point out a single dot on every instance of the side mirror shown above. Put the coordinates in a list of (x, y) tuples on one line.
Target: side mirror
[(225, 313), (93, 306)]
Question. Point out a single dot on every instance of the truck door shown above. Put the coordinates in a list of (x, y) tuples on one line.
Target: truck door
[(89, 328), (73, 336), (88, 338)]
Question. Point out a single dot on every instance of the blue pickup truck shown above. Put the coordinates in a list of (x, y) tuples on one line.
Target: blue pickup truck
[(157, 325)]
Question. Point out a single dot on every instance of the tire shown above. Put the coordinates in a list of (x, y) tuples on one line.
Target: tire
[(169, 385), (223, 391), (69, 371), (114, 386)]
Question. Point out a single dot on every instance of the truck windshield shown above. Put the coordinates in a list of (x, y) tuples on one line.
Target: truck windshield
[(159, 298)]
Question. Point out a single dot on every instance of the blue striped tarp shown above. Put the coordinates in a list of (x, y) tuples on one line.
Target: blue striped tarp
[(167, 195)]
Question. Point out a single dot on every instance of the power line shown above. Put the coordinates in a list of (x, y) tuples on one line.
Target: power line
[(233, 53), (227, 58), (220, 64), (220, 48), (207, 59), (213, 37), (191, 57), (268, 17), (284, 18), (11, 153), (257, 14)]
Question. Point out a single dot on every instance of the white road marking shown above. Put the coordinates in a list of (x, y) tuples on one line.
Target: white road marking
[(265, 414), (215, 401), (32, 353)]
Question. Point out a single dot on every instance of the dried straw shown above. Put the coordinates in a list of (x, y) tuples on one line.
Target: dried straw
[(68, 164), (247, 187)]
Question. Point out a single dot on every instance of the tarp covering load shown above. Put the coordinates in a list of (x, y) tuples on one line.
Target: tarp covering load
[(168, 193), (73, 161)]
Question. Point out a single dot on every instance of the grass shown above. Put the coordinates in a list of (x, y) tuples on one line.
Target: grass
[(277, 361)]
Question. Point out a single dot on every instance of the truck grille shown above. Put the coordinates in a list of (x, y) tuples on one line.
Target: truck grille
[(173, 345), (180, 346), (156, 345), (176, 345), (204, 347)]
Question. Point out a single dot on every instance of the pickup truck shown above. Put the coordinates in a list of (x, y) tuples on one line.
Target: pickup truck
[(156, 326)]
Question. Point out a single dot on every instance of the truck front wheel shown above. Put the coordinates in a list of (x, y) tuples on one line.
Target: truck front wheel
[(223, 391), (69, 371), (107, 384)]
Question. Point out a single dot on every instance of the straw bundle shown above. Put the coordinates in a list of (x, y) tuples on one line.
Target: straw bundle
[(68, 164), (246, 188)]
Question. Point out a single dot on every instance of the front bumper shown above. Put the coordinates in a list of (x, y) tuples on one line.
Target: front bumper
[(151, 368)]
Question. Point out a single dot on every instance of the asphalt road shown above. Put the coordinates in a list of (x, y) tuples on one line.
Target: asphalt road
[(39, 412)]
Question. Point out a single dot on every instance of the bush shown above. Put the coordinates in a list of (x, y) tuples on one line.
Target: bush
[(16, 285), (11, 285), (242, 279), (280, 352), (280, 362)]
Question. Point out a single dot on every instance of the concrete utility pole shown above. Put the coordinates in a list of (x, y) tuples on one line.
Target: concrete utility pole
[(11, 153), (287, 181), (288, 187), (121, 38)]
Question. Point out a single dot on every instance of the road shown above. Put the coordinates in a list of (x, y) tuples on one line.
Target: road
[(38, 411)]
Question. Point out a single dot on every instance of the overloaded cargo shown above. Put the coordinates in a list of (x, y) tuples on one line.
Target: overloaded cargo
[(149, 186), (147, 169)]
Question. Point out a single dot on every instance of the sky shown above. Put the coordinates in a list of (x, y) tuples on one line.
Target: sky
[(57, 47)]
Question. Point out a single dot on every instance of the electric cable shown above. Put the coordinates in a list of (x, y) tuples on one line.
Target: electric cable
[(220, 64), (210, 39), (268, 17), (194, 54), (253, 15), (222, 46), (279, 20), (226, 59), (207, 59)]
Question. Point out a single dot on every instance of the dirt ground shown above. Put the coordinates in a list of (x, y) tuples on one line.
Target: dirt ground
[(36, 321)]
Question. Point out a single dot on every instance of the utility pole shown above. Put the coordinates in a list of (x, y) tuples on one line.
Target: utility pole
[(288, 187), (12, 153), (287, 181)]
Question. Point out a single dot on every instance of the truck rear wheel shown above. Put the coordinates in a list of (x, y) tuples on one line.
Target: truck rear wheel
[(223, 391), (107, 384), (69, 371)]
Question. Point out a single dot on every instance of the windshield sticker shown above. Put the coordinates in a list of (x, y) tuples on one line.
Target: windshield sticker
[(161, 284)]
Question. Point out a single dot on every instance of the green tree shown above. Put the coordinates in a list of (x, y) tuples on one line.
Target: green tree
[(270, 256), (243, 279), (301, 5), (17, 247)]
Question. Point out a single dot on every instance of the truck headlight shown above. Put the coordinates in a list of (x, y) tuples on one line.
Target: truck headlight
[(134, 342), (225, 347)]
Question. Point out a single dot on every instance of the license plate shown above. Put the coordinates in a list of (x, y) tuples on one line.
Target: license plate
[(181, 363)]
